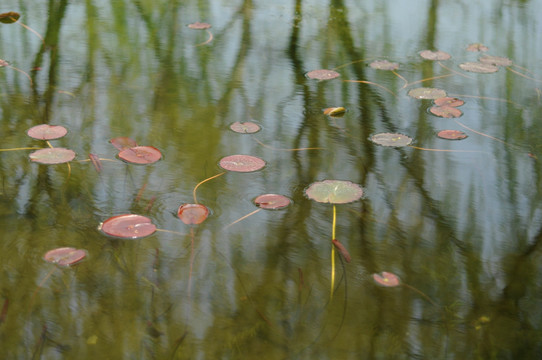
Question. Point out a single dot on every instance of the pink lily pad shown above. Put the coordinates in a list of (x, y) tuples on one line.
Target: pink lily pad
[(446, 111), (477, 47), (435, 55), (192, 214), (47, 132), (123, 143), (387, 279), (246, 127), (272, 201), (322, 74), (495, 60), (52, 156), (141, 155), (449, 101), (128, 226), (334, 191), (478, 67), (241, 163), (65, 256), (452, 135), (384, 65), (199, 26)]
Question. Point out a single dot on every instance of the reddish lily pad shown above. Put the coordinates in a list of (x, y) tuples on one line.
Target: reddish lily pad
[(192, 214), (496, 60), (199, 26), (384, 65), (391, 139), (334, 191), (123, 143), (3, 63), (446, 111), (427, 93), (387, 279), (452, 135), (52, 156), (272, 201), (477, 47), (478, 67), (246, 127), (128, 226), (241, 163), (47, 132), (435, 55), (322, 74), (65, 256), (448, 101), (9, 17), (141, 155)]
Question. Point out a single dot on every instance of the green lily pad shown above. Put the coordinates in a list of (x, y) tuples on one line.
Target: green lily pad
[(391, 139), (427, 93), (334, 191)]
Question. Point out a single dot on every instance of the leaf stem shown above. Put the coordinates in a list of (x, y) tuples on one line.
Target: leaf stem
[(204, 181)]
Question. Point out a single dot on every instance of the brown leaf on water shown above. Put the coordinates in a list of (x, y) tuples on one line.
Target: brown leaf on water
[(95, 159), (340, 247)]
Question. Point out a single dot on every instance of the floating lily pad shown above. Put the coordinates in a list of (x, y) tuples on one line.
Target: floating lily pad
[(192, 214), (495, 60), (446, 111), (335, 111), (65, 256), (199, 26), (452, 134), (47, 132), (478, 67), (435, 55), (391, 139), (123, 143), (272, 201), (141, 155), (334, 191), (52, 156), (128, 226), (246, 127), (241, 163), (3, 63), (384, 65), (322, 74), (477, 47), (427, 93), (387, 279), (448, 101), (9, 17)]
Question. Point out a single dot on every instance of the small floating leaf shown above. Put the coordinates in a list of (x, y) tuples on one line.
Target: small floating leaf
[(335, 111), (384, 65), (192, 214), (52, 156), (387, 279), (477, 47), (446, 111), (123, 143), (334, 191), (452, 134), (391, 139), (246, 127), (342, 250), (128, 226), (435, 55), (322, 74), (3, 63), (47, 132), (241, 163), (272, 201), (448, 101), (478, 67), (199, 26), (495, 60), (9, 17), (141, 155), (65, 256), (427, 93)]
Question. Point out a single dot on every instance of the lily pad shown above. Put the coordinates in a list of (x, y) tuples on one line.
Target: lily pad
[(246, 127), (65, 256), (322, 74), (427, 93), (128, 226), (47, 132), (335, 111), (141, 155), (448, 101), (199, 26), (387, 279), (478, 67), (496, 60), (435, 55), (477, 47), (9, 17), (123, 143), (52, 156), (391, 139), (334, 191), (241, 163), (446, 111), (192, 214), (452, 135), (384, 65), (3, 63), (272, 201)]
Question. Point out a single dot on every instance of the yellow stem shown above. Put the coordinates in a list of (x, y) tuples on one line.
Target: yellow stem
[(333, 251), (204, 181)]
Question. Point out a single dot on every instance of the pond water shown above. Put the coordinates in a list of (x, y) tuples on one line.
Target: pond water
[(458, 221)]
